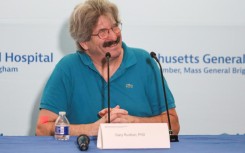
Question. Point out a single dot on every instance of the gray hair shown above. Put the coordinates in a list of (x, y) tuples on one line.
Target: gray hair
[(85, 17)]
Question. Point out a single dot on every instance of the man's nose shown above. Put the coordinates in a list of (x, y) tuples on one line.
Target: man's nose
[(112, 35)]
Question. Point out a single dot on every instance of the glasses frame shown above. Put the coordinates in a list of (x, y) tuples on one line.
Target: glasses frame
[(106, 31)]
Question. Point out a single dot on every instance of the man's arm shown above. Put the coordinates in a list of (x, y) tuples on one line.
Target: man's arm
[(121, 118), (163, 119), (174, 119), (46, 121)]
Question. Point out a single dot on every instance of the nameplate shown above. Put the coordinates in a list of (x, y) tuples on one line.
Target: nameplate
[(133, 136)]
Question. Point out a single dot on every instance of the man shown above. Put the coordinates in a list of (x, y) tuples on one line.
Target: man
[(78, 84)]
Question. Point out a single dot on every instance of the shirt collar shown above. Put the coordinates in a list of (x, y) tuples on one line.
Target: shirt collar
[(129, 58)]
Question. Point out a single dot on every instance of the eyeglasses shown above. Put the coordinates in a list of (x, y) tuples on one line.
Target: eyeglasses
[(104, 33)]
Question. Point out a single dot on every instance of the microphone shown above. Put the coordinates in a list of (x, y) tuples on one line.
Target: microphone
[(108, 56), (173, 138), (83, 142)]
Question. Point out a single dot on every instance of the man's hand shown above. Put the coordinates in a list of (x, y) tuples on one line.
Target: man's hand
[(117, 115)]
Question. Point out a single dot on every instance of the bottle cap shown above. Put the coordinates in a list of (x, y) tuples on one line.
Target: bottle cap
[(62, 113)]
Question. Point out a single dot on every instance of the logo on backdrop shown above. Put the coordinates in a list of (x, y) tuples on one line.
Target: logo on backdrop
[(204, 64), (10, 62)]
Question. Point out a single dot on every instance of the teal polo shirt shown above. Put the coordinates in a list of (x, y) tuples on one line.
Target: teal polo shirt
[(76, 87)]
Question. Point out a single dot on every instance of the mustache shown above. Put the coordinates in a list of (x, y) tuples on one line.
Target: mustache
[(110, 43)]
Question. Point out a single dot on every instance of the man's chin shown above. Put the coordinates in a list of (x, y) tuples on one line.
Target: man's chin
[(116, 54)]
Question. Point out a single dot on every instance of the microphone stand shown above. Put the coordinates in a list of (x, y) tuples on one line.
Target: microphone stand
[(173, 138), (108, 55)]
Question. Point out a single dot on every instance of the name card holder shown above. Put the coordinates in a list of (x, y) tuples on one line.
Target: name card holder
[(133, 136)]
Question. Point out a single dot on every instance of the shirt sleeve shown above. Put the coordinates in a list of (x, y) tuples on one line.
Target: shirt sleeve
[(57, 90), (155, 91)]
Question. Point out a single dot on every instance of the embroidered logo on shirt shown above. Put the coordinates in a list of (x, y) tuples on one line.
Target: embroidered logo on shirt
[(128, 85)]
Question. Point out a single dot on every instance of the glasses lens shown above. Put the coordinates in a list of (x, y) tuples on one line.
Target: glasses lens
[(103, 33), (117, 29)]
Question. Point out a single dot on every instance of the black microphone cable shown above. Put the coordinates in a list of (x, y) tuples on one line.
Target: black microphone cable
[(108, 56), (173, 138)]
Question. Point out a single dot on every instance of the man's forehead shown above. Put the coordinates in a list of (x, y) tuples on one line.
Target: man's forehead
[(105, 20)]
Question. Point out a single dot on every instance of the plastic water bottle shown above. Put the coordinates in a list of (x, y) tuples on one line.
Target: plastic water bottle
[(62, 129)]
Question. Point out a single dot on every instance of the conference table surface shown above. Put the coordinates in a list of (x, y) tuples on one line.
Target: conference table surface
[(187, 143)]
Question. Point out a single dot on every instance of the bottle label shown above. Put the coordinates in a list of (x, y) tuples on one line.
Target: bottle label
[(62, 130)]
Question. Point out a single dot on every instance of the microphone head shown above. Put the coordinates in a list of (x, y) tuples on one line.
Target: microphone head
[(107, 55), (83, 142), (153, 54)]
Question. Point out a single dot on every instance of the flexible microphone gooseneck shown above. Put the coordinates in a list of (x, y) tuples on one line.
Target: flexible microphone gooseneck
[(173, 138), (108, 56), (83, 142)]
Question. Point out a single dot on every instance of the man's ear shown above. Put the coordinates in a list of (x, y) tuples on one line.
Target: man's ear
[(84, 45)]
